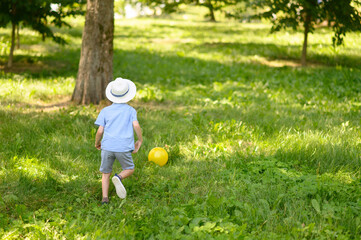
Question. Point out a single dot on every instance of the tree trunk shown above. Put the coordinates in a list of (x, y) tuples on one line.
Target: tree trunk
[(11, 55), (305, 38), (211, 12), (96, 58), (18, 36)]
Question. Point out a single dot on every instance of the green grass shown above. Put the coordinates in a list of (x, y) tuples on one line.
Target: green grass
[(259, 147)]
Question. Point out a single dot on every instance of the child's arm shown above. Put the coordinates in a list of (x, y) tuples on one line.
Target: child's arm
[(138, 131), (98, 137)]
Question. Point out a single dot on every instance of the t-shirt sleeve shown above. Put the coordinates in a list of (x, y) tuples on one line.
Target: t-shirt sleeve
[(133, 115), (100, 120)]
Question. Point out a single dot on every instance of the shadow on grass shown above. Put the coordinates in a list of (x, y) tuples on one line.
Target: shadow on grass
[(271, 52), (60, 64), (174, 72), (66, 61), (291, 53), (45, 59)]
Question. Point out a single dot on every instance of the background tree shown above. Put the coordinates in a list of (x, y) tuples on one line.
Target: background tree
[(342, 16), (119, 7), (38, 15), (213, 6), (96, 59), (169, 6)]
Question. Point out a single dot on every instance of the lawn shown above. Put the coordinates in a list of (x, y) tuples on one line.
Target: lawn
[(260, 148)]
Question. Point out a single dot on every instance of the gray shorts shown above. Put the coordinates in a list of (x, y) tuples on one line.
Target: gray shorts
[(125, 159)]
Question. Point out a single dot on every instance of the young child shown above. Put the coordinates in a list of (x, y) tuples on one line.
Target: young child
[(117, 124)]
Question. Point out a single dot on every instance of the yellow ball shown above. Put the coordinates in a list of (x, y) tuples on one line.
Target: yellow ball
[(158, 155)]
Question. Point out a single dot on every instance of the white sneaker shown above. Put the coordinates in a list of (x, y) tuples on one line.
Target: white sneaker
[(121, 192)]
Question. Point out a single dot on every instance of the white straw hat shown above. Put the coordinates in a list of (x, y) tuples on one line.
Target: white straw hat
[(120, 90)]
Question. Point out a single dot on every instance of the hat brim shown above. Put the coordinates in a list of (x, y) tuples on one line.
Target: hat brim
[(126, 98)]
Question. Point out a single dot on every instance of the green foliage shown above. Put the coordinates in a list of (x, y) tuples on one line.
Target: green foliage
[(256, 150), (166, 6), (213, 5), (39, 15), (171, 6), (342, 16)]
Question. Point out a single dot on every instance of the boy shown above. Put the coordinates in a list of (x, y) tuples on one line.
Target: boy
[(117, 124)]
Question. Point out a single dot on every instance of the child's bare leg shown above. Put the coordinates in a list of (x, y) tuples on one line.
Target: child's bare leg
[(126, 173), (105, 184)]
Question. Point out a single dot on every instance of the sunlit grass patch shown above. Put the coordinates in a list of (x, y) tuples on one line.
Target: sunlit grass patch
[(342, 176), (324, 151), (28, 90), (30, 167)]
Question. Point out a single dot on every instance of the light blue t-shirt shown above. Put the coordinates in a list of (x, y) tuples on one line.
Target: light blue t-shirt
[(117, 120)]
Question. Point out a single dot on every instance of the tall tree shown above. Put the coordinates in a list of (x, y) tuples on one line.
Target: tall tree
[(38, 15), (96, 58), (342, 16), (213, 6), (169, 6)]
